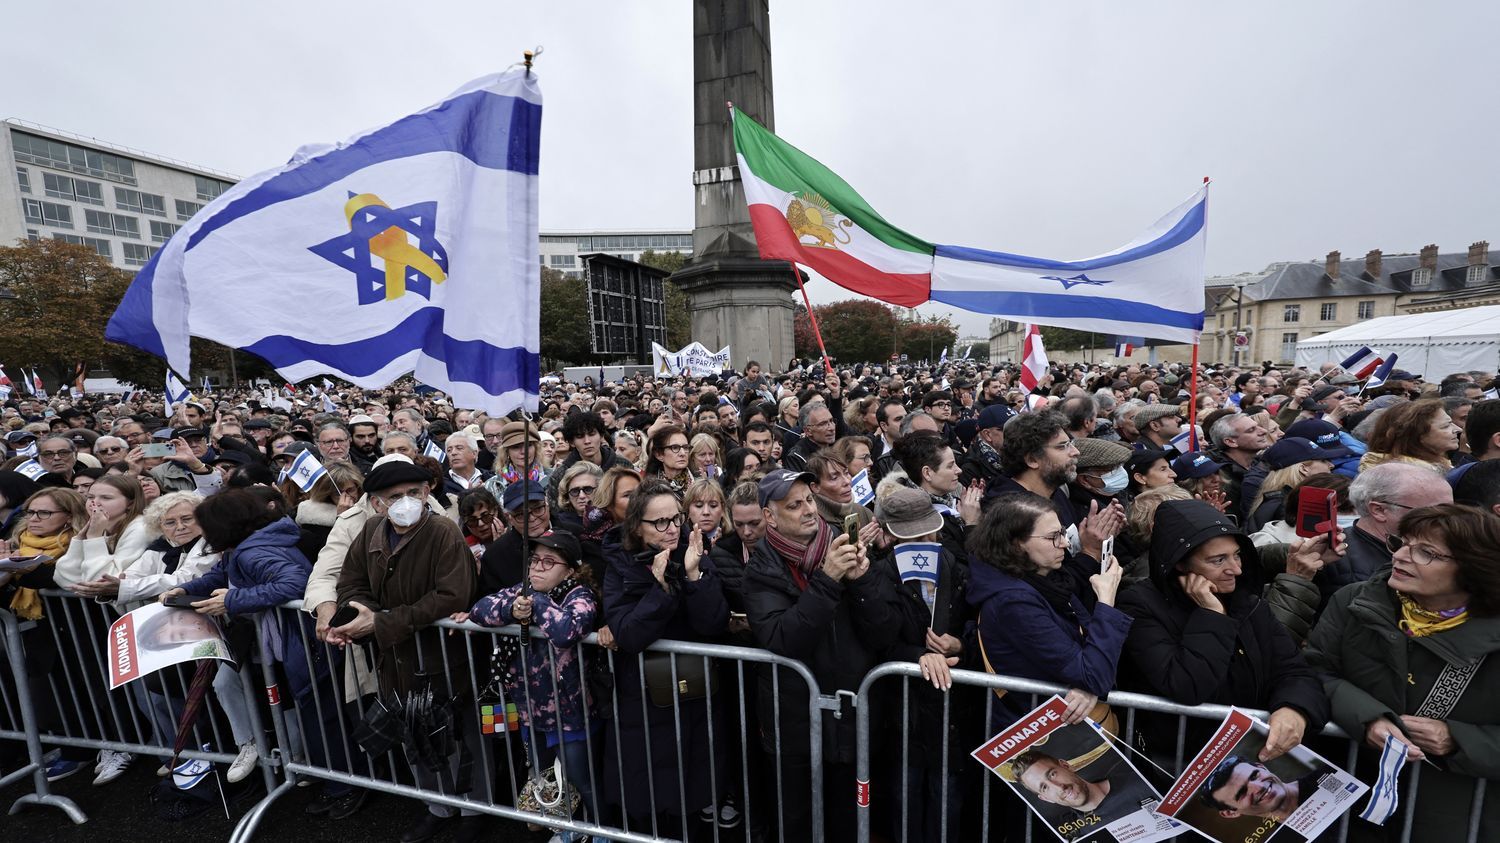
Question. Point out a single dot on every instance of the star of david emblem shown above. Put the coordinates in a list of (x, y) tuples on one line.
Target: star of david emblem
[(919, 560), (380, 251), (1080, 278)]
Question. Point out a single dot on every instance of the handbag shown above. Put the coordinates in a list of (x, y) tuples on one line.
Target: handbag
[(694, 680), (548, 792)]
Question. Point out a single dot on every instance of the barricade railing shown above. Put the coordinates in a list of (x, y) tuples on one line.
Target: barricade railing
[(61, 659), (19, 709), (713, 748), (1124, 704)]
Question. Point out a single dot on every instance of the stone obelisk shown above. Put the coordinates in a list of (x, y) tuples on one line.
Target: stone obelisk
[(734, 297)]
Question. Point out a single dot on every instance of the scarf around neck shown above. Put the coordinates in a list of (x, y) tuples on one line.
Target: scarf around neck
[(1418, 622), (26, 603), (802, 559)]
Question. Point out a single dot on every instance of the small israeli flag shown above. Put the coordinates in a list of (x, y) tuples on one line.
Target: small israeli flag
[(327, 384), (305, 470), (1386, 795), (1185, 441), (185, 776), (328, 405), (864, 492), (31, 469), (435, 451), (919, 561), (177, 392)]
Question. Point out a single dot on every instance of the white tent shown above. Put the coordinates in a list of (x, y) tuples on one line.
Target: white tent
[(1430, 344)]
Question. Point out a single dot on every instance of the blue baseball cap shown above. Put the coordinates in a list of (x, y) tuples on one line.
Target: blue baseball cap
[(995, 415), (1292, 450), (518, 493), (775, 485), (1195, 464), (1323, 434)]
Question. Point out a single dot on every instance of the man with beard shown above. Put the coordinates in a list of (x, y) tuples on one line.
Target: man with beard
[(364, 443), (1038, 457)]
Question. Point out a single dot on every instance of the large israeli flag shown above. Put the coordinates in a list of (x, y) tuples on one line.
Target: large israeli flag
[(1151, 287), (407, 248)]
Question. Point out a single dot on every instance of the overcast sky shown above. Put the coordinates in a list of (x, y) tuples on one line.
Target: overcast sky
[(1053, 129)]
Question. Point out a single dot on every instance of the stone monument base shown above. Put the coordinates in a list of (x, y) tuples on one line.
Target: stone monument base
[(744, 303)]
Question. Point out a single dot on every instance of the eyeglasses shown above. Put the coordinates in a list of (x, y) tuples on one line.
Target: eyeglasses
[(944, 404), (582, 491), (418, 494), (113, 449), (1421, 554), (661, 525), (339, 441), (1058, 537), (52, 455), (676, 449), (543, 563), (40, 513), (1393, 503), (479, 517), (823, 423)]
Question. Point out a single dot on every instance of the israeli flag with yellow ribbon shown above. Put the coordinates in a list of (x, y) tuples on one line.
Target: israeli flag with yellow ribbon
[(407, 248)]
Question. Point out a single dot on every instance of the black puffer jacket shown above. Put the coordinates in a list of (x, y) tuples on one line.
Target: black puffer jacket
[(1191, 655), (838, 629)]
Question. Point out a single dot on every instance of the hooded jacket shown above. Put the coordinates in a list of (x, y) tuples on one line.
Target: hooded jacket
[(1191, 655)]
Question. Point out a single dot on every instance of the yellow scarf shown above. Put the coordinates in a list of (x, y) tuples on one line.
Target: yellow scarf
[(26, 603), (1418, 622)]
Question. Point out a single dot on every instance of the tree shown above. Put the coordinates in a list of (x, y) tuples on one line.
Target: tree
[(854, 330), (679, 321), (925, 339), (1067, 338), (565, 327), (64, 295)]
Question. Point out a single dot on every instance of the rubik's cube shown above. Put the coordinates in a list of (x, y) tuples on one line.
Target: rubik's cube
[(492, 718)]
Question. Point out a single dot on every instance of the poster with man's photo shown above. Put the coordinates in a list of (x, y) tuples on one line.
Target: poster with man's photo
[(1075, 780), (1228, 794), (156, 636)]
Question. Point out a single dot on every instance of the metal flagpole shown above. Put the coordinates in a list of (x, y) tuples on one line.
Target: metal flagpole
[(1193, 407)]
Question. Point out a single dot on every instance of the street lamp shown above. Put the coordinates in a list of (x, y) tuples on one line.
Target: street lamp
[(1239, 304)]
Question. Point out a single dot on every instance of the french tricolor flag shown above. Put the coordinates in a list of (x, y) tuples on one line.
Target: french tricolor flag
[(1382, 374), (1125, 345), (1361, 363)]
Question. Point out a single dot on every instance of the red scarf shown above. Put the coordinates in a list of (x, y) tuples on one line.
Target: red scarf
[(802, 559)]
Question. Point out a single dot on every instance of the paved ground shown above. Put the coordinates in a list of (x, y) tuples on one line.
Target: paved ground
[(121, 811)]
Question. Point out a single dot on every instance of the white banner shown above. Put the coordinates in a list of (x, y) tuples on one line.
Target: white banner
[(694, 360)]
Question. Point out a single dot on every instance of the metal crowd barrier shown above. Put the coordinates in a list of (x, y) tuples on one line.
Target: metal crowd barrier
[(1126, 705), (319, 744), (464, 650)]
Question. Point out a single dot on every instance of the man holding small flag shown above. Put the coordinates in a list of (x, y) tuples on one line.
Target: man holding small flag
[(1362, 363)]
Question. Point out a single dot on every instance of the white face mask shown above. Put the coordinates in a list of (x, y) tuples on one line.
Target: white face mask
[(406, 511), (1115, 481)]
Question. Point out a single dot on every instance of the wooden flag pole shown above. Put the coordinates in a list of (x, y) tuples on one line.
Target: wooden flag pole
[(1193, 407), (812, 317)]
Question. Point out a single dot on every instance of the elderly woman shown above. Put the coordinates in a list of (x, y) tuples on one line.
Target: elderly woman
[(1044, 614), (707, 456), (628, 446), (854, 453), (574, 492), (1405, 655), (660, 584), (180, 554), (1416, 431), (1202, 633), (519, 454), (479, 515), (669, 458)]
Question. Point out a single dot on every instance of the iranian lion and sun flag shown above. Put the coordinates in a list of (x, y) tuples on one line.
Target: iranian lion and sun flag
[(805, 213)]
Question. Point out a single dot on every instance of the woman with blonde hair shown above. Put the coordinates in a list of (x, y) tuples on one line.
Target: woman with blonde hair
[(1290, 461), (337, 490), (112, 538), (707, 508), (706, 456), (49, 519), (574, 492)]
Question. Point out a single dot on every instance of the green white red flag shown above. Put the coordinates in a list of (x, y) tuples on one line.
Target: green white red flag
[(804, 213)]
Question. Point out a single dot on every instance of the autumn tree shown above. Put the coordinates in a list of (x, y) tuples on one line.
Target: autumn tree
[(565, 327), (854, 330), (61, 297), (925, 339)]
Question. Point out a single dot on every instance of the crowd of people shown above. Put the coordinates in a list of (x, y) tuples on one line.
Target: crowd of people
[(732, 509)]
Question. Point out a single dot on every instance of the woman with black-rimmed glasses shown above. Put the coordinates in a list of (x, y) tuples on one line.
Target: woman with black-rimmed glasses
[(1406, 655), (660, 585)]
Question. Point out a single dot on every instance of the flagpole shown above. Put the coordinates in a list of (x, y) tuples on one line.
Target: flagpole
[(1193, 407), (813, 317)]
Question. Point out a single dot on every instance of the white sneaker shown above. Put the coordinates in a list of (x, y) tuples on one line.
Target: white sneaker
[(163, 771), (244, 763), (112, 765)]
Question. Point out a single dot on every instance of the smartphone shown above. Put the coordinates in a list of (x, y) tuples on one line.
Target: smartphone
[(344, 615), (157, 450), (1318, 513), (1107, 553), (180, 601), (851, 527)]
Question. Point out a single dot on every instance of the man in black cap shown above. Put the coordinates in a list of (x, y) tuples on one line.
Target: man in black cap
[(188, 471), (406, 569), (982, 461), (503, 563), (809, 595)]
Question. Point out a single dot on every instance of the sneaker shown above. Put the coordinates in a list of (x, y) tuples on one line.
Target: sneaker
[(347, 805), (61, 769), (244, 763), (163, 771), (112, 766)]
